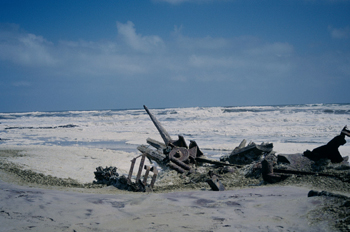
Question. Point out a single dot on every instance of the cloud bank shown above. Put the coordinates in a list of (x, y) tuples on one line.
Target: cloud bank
[(242, 64), (133, 54)]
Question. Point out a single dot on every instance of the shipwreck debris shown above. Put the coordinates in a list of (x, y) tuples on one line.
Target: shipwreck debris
[(110, 176), (243, 154), (214, 182), (138, 185), (188, 166), (174, 154), (177, 155)]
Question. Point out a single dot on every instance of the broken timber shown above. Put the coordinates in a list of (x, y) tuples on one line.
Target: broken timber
[(141, 186)]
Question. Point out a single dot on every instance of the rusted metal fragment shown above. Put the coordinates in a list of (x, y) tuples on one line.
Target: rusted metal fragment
[(154, 177), (215, 183), (181, 164), (248, 154), (179, 153), (176, 167), (296, 162), (179, 143), (267, 170)]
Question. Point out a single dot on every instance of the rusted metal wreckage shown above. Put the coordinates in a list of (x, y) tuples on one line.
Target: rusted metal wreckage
[(177, 155)]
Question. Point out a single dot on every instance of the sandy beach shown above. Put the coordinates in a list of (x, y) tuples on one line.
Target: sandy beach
[(259, 209), (27, 206)]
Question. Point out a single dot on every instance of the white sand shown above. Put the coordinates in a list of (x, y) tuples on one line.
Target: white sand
[(259, 209), (78, 163)]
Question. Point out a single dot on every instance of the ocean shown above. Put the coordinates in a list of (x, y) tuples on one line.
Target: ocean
[(217, 130)]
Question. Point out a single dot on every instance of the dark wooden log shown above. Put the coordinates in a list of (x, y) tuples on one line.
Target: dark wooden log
[(156, 144), (131, 169), (153, 155), (143, 157)]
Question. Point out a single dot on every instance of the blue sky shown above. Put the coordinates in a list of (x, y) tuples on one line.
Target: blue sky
[(84, 54)]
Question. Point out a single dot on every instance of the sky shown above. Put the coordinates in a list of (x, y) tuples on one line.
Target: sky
[(117, 54)]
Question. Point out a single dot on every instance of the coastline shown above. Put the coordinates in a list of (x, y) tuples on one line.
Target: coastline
[(29, 206)]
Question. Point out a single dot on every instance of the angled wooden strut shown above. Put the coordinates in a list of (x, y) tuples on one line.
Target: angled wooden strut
[(165, 136)]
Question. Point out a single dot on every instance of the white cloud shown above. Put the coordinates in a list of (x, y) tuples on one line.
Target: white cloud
[(181, 59), (25, 48), (339, 33), (136, 41)]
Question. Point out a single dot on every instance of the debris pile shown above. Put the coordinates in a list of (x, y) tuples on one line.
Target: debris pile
[(243, 154), (186, 165), (110, 176)]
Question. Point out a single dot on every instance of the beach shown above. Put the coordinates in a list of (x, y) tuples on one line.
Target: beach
[(48, 160), (258, 209), (64, 205)]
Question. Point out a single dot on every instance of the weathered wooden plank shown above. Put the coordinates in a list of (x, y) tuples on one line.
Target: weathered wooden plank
[(156, 144), (153, 155), (165, 136)]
